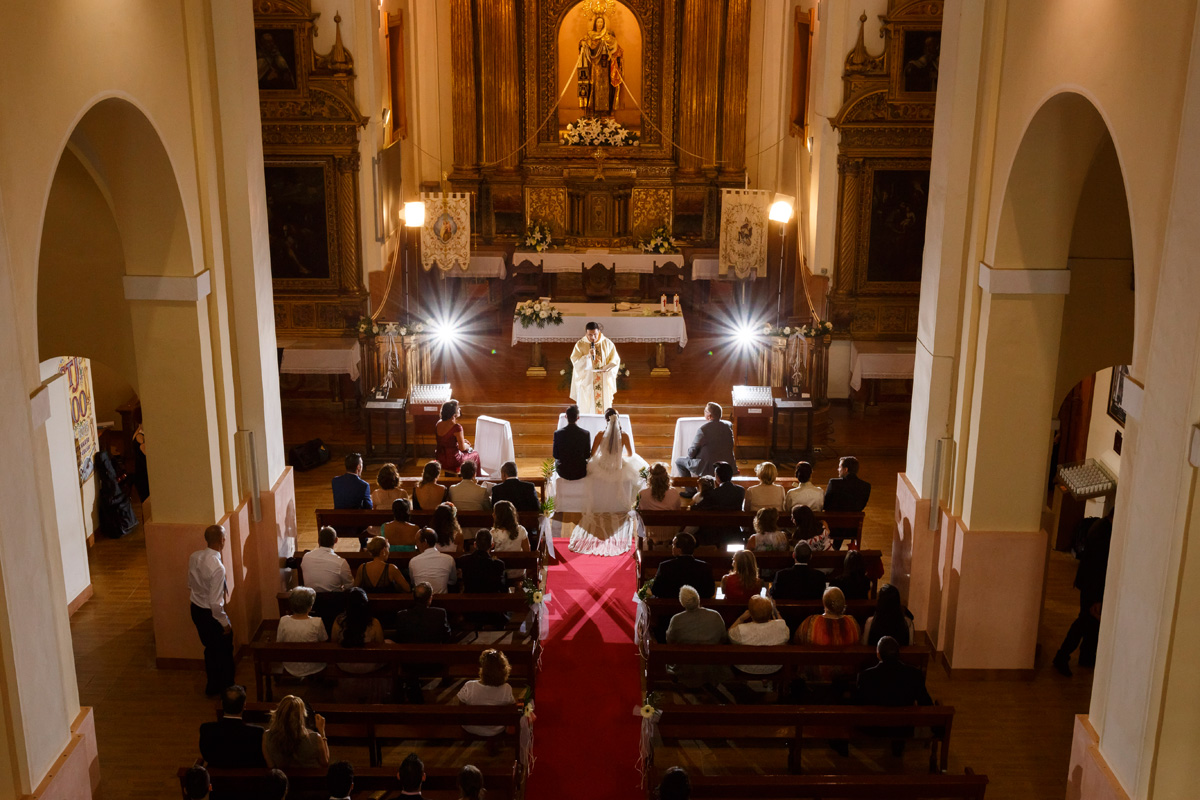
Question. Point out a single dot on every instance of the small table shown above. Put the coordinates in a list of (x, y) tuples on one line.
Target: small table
[(881, 361), (388, 407), (790, 407)]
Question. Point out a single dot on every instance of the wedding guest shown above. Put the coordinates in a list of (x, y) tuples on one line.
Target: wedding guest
[(713, 444), (742, 582), (483, 573), (766, 493), (509, 536), (762, 626), (429, 493), (196, 784), (659, 495), (675, 785), (389, 491), (833, 628), (289, 742), (806, 492), (411, 775), (299, 626), (767, 536), (431, 566), (681, 570), (727, 496), (324, 570), (453, 450), (231, 743), (572, 446), (206, 590), (810, 530), (339, 780), (847, 492), (274, 785), (522, 494), (470, 783), (853, 580), (377, 576), (490, 689), (445, 525), (697, 625), (890, 619), (401, 534), (893, 683), (469, 494), (357, 627), (421, 623), (799, 581), (350, 491)]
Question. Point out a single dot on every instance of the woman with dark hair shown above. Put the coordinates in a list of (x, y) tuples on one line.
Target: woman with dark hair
[(389, 491), (854, 581), (890, 619), (508, 535), (357, 627), (659, 495), (429, 492), (445, 525), (810, 530), (452, 448), (401, 534)]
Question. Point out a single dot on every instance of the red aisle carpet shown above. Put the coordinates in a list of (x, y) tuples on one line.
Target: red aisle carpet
[(586, 737)]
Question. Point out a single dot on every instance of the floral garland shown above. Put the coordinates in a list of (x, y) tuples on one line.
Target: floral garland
[(818, 329), (369, 327), (537, 236), (773, 330), (537, 312), (595, 131), (659, 241)]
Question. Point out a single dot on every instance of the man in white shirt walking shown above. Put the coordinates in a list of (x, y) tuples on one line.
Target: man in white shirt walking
[(324, 570), (206, 585), (439, 570)]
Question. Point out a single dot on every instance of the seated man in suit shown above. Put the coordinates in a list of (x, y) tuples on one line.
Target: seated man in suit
[(683, 570), (350, 491), (469, 494), (727, 496), (891, 682), (847, 492), (572, 446), (713, 443), (799, 581), (421, 623), (229, 742), (522, 494), (483, 573)]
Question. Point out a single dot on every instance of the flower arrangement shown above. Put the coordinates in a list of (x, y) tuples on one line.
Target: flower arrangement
[(597, 131), (547, 507), (622, 376), (537, 236), (775, 330), (659, 241), (547, 469), (369, 327), (643, 593), (535, 591), (816, 330), (537, 312)]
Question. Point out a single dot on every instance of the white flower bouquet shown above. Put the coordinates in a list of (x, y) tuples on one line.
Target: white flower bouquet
[(537, 236), (598, 132), (781, 332), (537, 312), (817, 329), (369, 327), (660, 241)]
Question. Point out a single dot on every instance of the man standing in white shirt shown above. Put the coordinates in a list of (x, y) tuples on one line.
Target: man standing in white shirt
[(206, 586), (806, 492), (324, 570), (437, 569)]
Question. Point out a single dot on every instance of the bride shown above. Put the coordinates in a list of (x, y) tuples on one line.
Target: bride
[(612, 482)]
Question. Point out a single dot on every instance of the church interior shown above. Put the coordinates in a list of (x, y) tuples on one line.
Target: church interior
[(249, 246)]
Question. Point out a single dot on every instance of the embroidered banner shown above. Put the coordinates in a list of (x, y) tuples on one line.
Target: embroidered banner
[(446, 237), (743, 244)]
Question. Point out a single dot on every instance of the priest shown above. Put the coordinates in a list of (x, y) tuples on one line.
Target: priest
[(594, 363)]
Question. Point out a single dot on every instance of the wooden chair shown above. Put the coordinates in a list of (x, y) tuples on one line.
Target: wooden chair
[(599, 280), (670, 278), (527, 279)]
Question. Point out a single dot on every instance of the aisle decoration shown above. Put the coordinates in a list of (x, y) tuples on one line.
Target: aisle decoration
[(659, 241), (526, 752), (641, 622), (597, 131), (537, 236), (537, 312), (446, 235), (537, 598), (651, 713), (743, 244)]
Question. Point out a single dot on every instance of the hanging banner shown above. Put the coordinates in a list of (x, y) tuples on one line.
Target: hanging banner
[(83, 414), (446, 237), (743, 246)]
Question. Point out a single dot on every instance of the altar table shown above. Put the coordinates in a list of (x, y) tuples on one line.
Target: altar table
[(881, 360), (619, 326), (320, 357)]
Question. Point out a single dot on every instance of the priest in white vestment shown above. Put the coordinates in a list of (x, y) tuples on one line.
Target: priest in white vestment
[(594, 364)]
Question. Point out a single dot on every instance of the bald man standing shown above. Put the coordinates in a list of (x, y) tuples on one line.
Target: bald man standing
[(206, 585)]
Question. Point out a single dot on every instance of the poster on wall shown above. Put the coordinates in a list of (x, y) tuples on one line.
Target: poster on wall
[(83, 416)]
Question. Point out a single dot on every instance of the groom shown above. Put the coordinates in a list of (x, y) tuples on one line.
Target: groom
[(594, 363), (572, 446)]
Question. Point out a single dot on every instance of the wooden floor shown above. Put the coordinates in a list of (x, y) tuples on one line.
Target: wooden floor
[(1016, 732)]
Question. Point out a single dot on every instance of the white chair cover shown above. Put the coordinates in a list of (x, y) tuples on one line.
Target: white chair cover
[(494, 442)]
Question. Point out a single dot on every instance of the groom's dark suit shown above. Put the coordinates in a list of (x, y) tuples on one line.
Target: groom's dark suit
[(572, 446)]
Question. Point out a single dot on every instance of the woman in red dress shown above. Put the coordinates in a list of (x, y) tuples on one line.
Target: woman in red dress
[(452, 448)]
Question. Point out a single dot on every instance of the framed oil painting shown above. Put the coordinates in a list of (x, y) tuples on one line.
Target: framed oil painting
[(276, 54), (895, 241), (921, 51), (301, 217), (1116, 394)]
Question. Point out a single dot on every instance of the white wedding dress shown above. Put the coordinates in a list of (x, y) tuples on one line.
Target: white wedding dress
[(609, 523)]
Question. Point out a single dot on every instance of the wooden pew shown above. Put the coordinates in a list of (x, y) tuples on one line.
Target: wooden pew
[(410, 484), (461, 660), (512, 560), (829, 561), (793, 611), (376, 723), (792, 658), (441, 783), (793, 724), (839, 787), (385, 606), (745, 519), (348, 522)]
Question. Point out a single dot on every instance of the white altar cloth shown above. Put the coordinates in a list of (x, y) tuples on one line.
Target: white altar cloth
[(594, 423), (557, 261), (887, 360), (320, 357), (479, 267), (685, 432), (494, 443), (620, 326)]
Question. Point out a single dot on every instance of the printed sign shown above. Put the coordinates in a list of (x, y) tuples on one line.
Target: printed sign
[(83, 414)]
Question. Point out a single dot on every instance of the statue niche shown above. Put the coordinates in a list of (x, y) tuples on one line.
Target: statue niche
[(600, 52), (601, 62)]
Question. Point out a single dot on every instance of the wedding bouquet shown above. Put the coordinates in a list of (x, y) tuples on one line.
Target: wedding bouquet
[(606, 132), (537, 236), (537, 312), (659, 241), (818, 329)]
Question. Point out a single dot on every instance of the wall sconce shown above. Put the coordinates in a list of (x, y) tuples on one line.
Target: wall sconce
[(414, 215)]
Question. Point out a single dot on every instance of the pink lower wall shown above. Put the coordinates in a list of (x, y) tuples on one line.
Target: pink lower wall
[(914, 557), (75, 774), (1089, 777), (275, 540)]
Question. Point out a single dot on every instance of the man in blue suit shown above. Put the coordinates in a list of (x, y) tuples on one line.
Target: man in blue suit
[(349, 489)]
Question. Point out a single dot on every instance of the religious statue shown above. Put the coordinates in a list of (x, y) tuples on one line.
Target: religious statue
[(600, 66), (594, 363)]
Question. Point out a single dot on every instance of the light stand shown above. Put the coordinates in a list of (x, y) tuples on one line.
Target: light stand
[(414, 217), (781, 212)]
